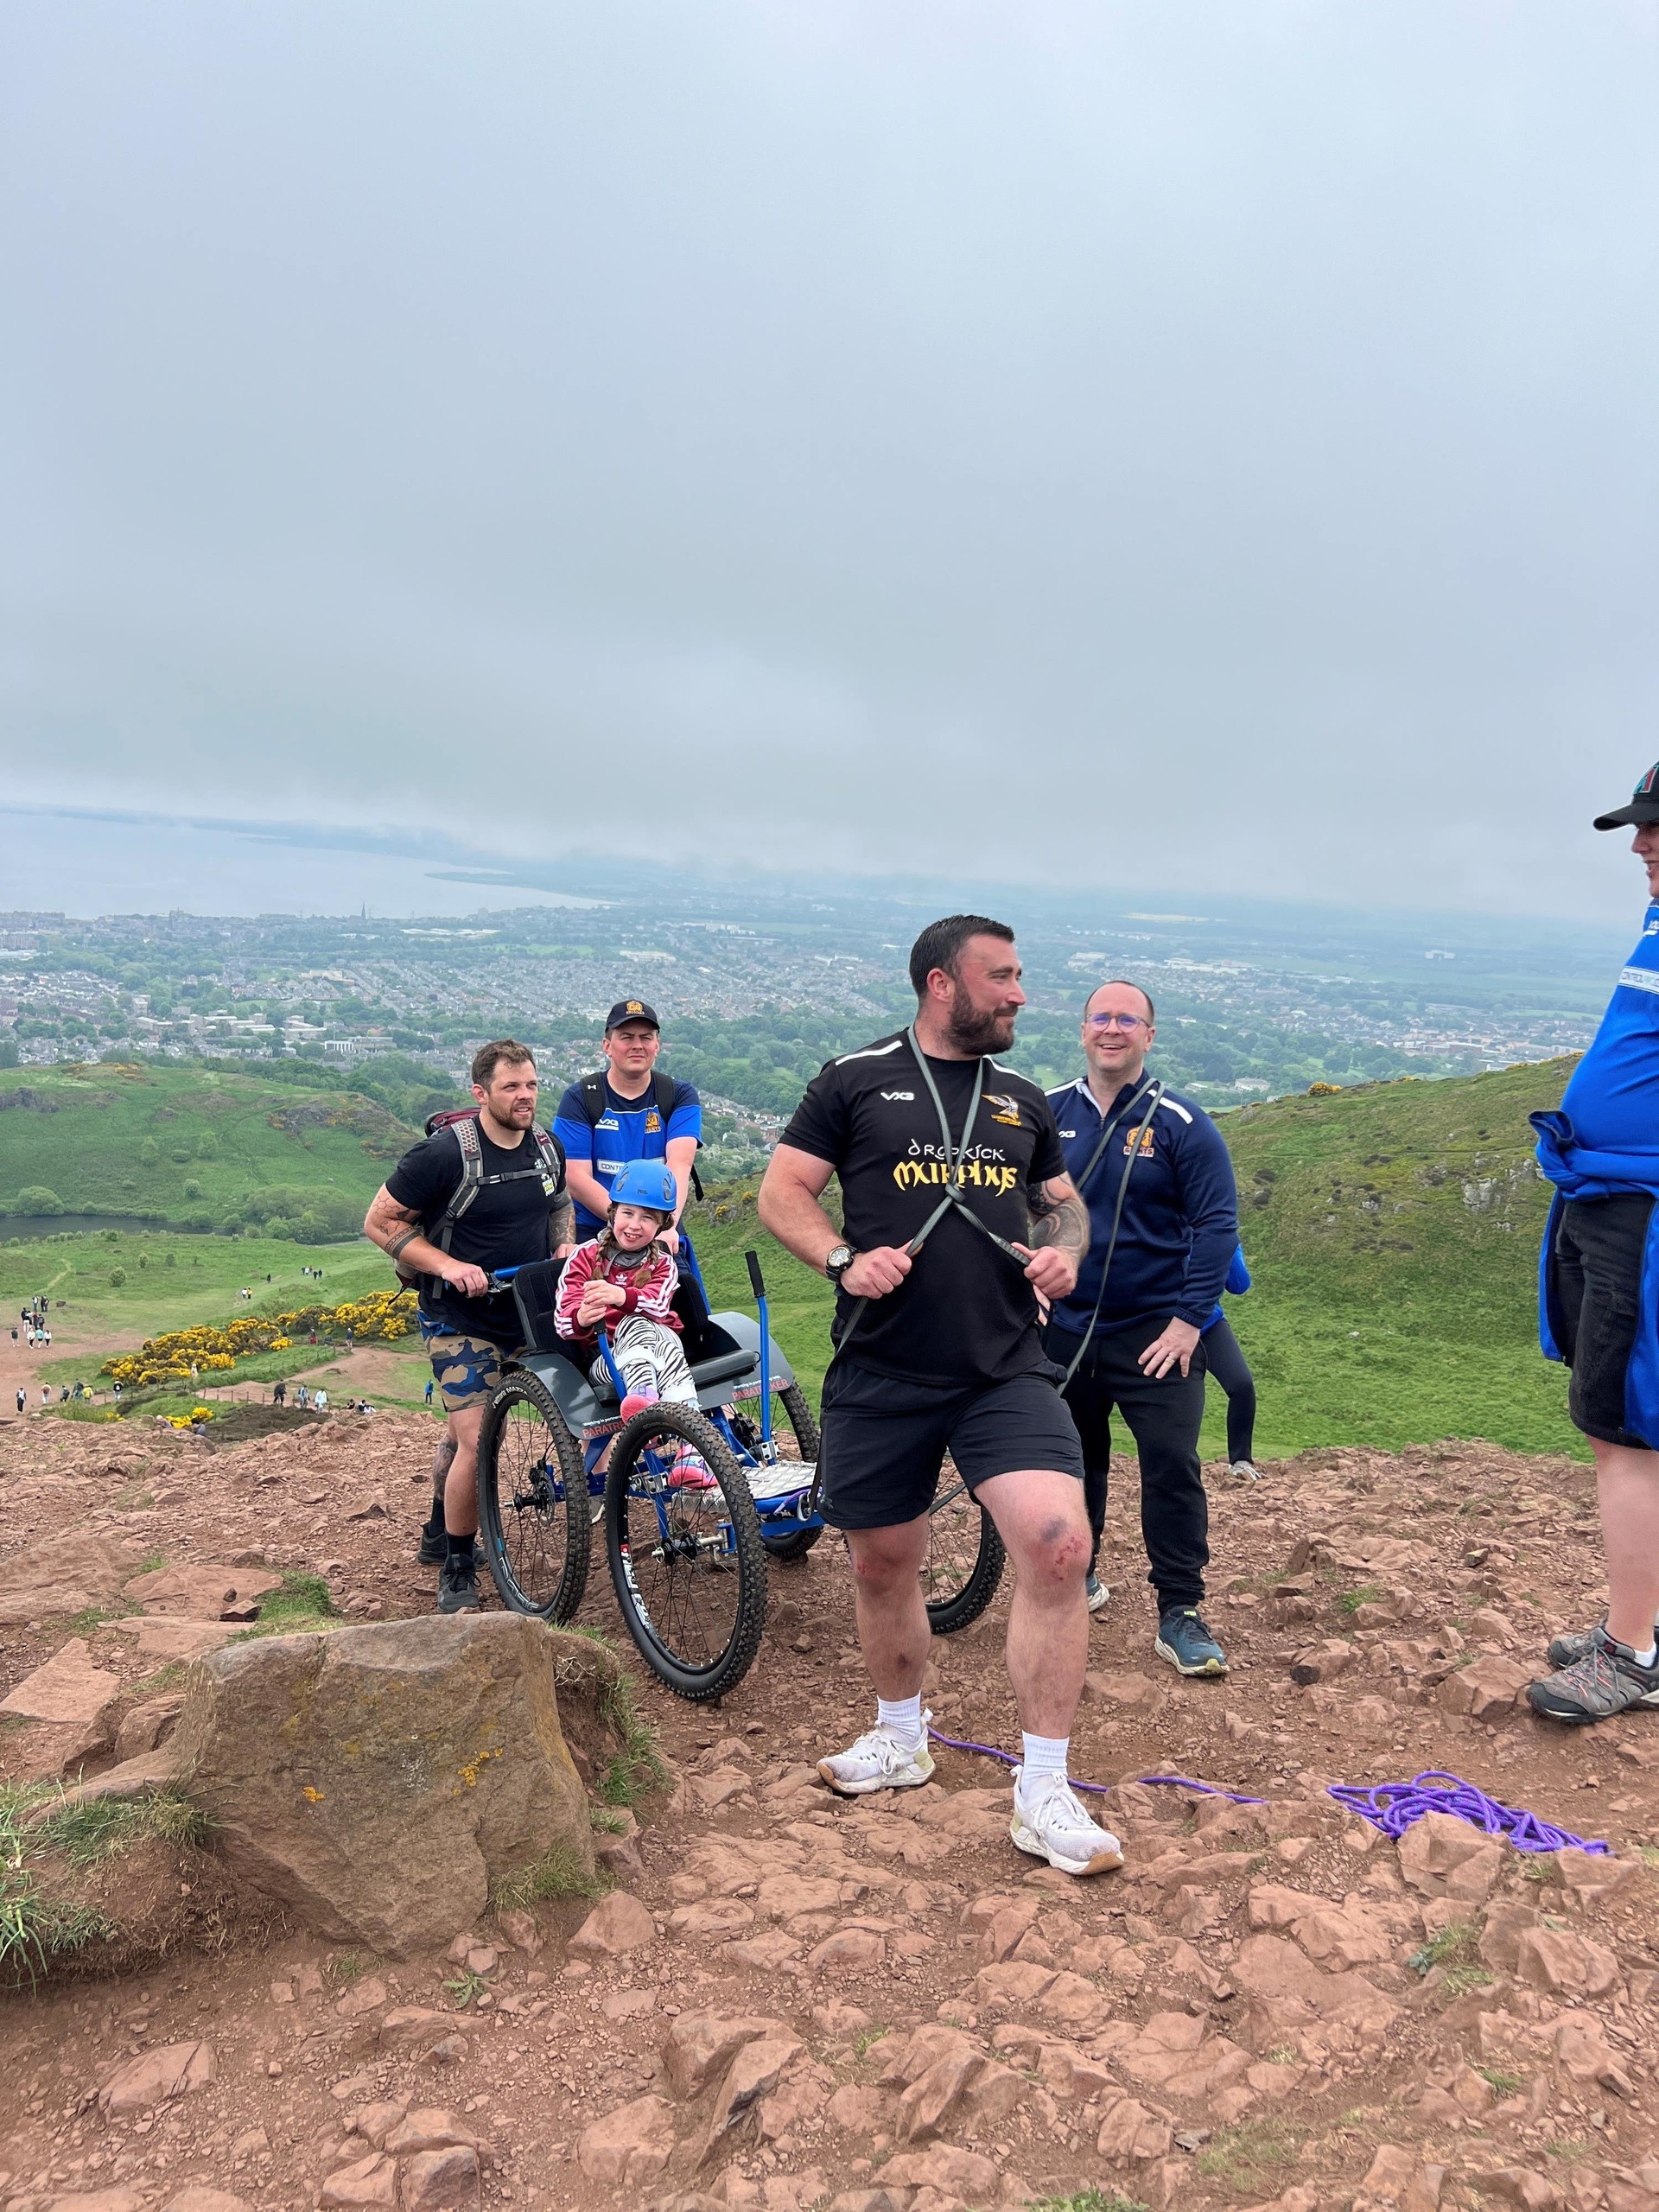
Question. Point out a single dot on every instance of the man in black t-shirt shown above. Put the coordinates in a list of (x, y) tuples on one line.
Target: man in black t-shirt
[(517, 1213), (959, 1218)]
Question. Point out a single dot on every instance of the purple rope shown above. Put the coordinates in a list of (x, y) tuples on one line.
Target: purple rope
[(1099, 1789), (1394, 1806)]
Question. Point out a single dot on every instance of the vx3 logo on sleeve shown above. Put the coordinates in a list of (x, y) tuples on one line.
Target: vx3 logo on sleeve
[(907, 1096)]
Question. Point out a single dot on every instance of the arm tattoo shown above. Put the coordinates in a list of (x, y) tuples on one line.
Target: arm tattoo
[(1063, 1222), (395, 1244), (561, 1223)]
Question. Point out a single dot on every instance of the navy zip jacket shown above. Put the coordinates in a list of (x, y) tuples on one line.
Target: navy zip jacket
[(1180, 1214)]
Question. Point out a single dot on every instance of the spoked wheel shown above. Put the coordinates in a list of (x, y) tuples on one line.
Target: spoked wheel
[(796, 1435), (964, 1560), (688, 1565), (529, 1474)]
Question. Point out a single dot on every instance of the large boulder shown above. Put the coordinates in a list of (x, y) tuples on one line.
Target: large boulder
[(378, 1782)]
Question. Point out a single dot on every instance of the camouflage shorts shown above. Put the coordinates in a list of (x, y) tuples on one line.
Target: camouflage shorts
[(465, 1369)]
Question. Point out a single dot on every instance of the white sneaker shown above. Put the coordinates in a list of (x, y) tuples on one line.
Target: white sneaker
[(879, 1760), (1051, 1823), (1244, 1471), (1097, 1595)]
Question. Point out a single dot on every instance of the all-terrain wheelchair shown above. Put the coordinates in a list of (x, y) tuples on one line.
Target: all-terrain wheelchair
[(689, 1565)]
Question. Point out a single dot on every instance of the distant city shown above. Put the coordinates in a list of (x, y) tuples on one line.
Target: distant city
[(757, 983)]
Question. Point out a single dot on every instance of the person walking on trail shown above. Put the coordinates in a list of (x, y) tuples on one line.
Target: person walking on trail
[(478, 1195), (22, 1399), (1163, 1214), (628, 1111), (279, 1395), (1225, 1364), (1598, 1307), (959, 1216), (428, 1400)]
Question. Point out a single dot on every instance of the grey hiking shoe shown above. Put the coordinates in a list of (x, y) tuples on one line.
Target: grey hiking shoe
[(1187, 1644), (1606, 1681), (1577, 1643)]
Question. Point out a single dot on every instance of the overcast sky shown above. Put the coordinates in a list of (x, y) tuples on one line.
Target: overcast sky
[(1172, 445)]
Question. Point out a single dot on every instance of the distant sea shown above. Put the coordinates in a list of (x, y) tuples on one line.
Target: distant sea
[(87, 861)]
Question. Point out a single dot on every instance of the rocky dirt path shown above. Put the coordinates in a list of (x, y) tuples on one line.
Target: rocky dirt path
[(792, 2001)]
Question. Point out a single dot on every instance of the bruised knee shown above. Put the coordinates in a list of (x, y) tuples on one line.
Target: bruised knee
[(1059, 1553), (878, 1575)]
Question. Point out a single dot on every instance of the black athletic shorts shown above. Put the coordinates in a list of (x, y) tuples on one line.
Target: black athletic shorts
[(1596, 1267), (882, 1441)]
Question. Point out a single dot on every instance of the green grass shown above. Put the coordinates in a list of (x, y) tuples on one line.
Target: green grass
[(1088, 2199), (37, 1928), (105, 1140), (1501, 2082), (1455, 1945), (557, 1874), (636, 1768), (1367, 1594), (74, 1271), (1247, 2157), (299, 1603), (92, 1829), (1392, 1231)]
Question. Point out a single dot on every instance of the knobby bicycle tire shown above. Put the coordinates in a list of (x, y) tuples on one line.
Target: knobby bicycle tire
[(536, 1545), (963, 1598), (681, 1594)]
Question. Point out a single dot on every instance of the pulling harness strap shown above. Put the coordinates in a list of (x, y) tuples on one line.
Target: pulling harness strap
[(1154, 1092), (955, 1154)]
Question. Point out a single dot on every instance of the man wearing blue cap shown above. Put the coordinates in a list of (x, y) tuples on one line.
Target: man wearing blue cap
[(1598, 1307), (626, 1111)]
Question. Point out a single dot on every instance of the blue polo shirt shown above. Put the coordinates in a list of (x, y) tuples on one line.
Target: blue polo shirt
[(1180, 1228), (629, 1129)]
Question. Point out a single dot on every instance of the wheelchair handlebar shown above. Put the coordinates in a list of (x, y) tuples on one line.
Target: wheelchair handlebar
[(757, 1280)]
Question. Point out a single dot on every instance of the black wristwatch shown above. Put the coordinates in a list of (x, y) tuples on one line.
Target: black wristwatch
[(836, 1262)]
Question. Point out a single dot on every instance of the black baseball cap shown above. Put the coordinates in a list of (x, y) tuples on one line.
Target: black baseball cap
[(637, 1010), (1643, 806)]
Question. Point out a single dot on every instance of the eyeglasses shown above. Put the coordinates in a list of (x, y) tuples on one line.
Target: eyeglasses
[(1117, 1021)]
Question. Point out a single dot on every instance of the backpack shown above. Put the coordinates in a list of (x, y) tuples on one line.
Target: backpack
[(464, 1121), (594, 1106)]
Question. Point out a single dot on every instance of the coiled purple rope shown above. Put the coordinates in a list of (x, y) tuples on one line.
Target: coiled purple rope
[(1396, 1806), (1100, 1788)]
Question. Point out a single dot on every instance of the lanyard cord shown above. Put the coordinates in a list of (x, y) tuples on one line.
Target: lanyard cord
[(955, 1153), (1155, 1093)]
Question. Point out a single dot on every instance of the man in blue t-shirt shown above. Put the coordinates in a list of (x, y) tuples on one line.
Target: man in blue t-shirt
[(626, 1112), (1598, 1307)]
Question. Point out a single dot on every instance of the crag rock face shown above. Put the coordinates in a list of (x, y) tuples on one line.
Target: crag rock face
[(379, 1781)]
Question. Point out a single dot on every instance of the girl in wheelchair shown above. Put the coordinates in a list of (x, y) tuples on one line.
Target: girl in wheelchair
[(623, 1282)]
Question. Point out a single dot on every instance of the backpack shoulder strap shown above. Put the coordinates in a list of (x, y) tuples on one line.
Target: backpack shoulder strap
[(663, 1088), (592, 1099), (550, 1150), (471, 1175)]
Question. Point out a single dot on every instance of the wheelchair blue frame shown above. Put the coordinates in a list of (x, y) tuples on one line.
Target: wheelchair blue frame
[(752, 1367)]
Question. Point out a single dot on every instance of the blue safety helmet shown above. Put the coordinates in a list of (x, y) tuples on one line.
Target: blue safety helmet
[(648, 1182)]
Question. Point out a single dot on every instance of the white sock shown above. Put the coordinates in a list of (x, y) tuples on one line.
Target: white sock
[(1044, 1755), (901, 1717), (1648, 1657)]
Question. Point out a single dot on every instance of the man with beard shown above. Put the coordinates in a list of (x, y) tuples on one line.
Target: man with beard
[(477, 1195), (959, 1214)]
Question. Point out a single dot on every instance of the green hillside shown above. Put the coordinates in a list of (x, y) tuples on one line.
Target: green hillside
[(1392, 1231), (189, 1146)]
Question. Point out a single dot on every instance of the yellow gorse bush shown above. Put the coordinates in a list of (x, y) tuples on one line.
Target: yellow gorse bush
[(381, 1318), (192, 1420)]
